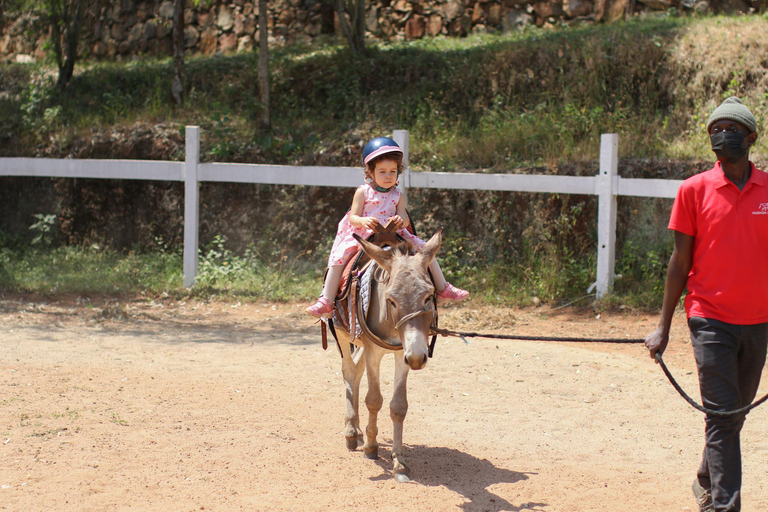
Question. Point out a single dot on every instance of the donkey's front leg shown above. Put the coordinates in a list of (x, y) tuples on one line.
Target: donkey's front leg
[(398, 408), (373, 400), (352, 369)]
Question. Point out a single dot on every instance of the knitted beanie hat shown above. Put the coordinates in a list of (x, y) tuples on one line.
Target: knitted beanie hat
[(733, 110)]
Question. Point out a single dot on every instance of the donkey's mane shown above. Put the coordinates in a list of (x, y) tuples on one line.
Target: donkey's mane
[(404, 248)]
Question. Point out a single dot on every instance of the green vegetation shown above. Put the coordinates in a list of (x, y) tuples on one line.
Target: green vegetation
[(100, 270), (490, 103)]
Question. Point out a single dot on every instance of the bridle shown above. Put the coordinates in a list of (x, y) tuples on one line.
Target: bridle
[(430, 308)]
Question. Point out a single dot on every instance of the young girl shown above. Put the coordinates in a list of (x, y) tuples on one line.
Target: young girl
[(378, 201)]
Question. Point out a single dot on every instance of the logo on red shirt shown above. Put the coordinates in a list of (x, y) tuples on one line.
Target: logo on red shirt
[(763, 209)]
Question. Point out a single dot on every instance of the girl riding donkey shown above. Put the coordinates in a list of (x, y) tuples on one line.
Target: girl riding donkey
[(376, 202)]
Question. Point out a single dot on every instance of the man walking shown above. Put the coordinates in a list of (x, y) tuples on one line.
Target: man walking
[(720, 224)]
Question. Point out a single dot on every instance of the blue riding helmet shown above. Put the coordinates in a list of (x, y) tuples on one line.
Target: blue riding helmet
[(380, 146)]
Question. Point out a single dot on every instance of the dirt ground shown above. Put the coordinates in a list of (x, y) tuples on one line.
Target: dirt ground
[(163, 405)]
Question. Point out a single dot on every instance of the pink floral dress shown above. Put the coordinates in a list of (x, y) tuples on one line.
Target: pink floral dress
[(381, 205)]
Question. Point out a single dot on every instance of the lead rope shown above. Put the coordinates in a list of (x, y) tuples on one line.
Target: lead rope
[(709, 412)]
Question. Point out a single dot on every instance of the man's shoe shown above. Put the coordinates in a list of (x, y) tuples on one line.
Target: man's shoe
[(703, 497)]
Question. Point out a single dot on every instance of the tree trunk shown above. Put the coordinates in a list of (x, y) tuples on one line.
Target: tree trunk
[(355, 33), (66, 15), (360, 26), (264, 64), (177, 83)]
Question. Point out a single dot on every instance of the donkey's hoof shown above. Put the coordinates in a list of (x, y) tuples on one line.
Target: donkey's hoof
[(372, 454), (351, 443), (402, 478)]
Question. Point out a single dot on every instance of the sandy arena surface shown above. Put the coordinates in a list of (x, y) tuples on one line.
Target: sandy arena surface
[(163, 405)]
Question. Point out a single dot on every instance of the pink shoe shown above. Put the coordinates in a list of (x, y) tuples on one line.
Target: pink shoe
[(452, 294), (321, 309)]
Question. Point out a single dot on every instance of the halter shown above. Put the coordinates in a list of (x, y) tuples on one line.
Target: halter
[(429, 308)]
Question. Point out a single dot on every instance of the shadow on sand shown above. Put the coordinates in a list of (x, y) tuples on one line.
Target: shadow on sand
[(460, 472)]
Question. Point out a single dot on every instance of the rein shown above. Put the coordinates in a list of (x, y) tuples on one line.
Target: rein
[(709, 412)]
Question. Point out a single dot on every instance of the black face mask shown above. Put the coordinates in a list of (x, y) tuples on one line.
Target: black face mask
[(729, 146)]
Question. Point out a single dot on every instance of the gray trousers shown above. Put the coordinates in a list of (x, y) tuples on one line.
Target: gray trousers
[(730, 360)]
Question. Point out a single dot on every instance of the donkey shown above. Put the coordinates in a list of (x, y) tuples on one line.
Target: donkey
[(400, 314)]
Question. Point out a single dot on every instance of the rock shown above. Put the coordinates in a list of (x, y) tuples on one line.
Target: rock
[(450, 10), (415, 27), (478, 14), (166, 10), (659, 5), (228, 43), (239, 27), (434, 25), (224, 19), (402, 6), (616, 10), (191, 36), (460, 25), (386, 27), (494, 15), (576, 8), (248, 8), (190, 17), (150, 29), (162, 29), (251, 23), (731, 6), (372, 20), (6, 44), (516, 20), (548, 9), (479, 29), (205, 18), (99, 49), (208, 41), (117, 31), (313, 29), (142, 14), (22, 58), (124, 48), (244, 44), (136, 33), (286, 17), (40, 47)]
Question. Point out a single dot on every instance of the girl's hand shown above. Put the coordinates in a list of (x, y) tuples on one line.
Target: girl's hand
[(369, 222), (397, 220)]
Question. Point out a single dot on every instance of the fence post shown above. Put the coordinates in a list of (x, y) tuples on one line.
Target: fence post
[(403, 140), (606, 187), (191, 204)]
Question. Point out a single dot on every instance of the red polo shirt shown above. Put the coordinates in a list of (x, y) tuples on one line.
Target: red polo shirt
[(729, 277)]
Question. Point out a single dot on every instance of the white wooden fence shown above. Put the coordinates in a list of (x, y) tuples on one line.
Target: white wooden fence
[(607, 185)]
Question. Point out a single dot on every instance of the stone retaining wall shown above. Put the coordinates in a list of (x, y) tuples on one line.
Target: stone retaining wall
[(130, 27)]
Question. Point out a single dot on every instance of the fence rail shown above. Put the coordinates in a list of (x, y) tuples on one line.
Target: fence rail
[(607, 185)]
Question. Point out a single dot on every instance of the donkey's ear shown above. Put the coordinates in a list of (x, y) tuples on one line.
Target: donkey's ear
[(379, 255), (429, 251)]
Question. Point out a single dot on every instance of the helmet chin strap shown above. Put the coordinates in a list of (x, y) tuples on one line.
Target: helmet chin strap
[(382, 189)]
